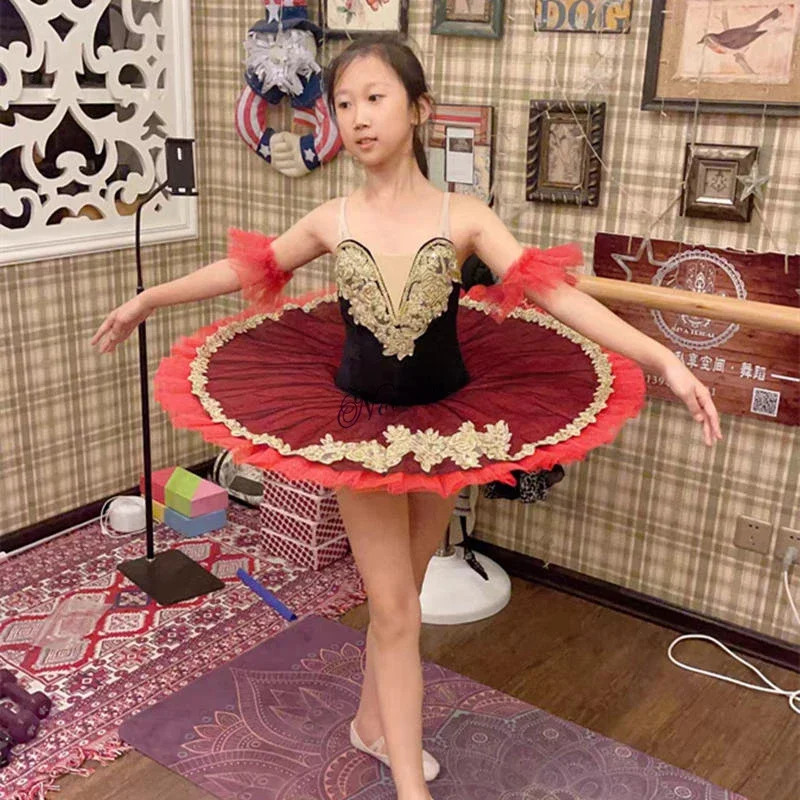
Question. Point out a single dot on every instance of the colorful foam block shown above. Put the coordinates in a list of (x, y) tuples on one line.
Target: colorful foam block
[(192, 496), (158, 479), (194, 526), (158, 511)]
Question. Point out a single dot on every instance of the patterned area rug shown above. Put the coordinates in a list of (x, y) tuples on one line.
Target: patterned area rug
[(73, 626), (273, 724)]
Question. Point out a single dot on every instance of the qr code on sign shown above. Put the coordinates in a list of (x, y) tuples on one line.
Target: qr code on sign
[(765, 402)]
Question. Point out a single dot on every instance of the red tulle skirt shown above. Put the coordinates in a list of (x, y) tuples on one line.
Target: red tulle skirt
[(262, 385)]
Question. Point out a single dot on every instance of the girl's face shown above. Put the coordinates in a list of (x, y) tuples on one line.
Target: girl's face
[(373, 113)]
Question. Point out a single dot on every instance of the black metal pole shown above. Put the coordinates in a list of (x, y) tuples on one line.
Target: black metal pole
[(170, 576), (144, 382)]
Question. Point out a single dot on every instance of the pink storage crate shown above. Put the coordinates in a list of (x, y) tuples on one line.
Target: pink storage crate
[(301, 522), (305, 531), (301, 498), (304, 555)]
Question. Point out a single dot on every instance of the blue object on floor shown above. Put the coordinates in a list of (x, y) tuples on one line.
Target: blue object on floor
[(265, 594)]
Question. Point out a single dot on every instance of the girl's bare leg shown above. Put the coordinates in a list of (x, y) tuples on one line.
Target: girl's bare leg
[(378, 530), (428, 516)]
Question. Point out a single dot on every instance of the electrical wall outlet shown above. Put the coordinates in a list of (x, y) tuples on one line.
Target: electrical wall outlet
[(753, 534), (786, 538)]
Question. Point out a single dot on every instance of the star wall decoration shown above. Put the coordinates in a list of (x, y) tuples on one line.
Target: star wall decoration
[(622, 260), (752, 183), (598, 78)]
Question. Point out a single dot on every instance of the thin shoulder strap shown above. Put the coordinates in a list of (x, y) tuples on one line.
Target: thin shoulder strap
[(445, 221), (343, 232)]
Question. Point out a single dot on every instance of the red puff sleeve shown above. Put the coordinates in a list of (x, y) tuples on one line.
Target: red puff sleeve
[(538, 270), (253, 260)]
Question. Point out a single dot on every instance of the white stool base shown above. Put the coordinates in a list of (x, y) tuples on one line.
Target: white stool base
[(453, 592)]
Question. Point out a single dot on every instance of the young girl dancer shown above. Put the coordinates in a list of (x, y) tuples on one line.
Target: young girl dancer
[(462, 400)]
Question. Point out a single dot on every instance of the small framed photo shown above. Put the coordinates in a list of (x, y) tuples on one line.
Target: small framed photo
[(341, 19), (724, 57), (584, 16), (458, 144), (468, 18), (710, 181), (565, 145)]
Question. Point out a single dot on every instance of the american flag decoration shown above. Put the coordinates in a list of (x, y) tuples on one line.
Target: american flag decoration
[(310, 111)]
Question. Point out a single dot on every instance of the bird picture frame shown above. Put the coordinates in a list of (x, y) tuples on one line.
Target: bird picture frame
[(724, 56)]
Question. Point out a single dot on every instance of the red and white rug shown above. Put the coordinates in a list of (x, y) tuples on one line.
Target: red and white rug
[(74, 627)]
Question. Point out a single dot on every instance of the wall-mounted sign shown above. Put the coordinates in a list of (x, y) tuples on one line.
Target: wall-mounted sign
[(750, 372)]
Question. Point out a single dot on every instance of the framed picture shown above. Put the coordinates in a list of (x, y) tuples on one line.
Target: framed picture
[(584, 16), (710, 181), (564, 151), (724, 56), (468, 18), (458, 143), (341, 19)]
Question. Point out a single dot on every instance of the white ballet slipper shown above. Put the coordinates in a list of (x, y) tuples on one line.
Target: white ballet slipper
[(430, 766)]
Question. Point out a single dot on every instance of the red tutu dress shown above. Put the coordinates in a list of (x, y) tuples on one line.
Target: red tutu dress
[(372, 383)]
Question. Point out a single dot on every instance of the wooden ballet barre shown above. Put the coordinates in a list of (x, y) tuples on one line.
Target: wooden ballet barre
[(766, 316)]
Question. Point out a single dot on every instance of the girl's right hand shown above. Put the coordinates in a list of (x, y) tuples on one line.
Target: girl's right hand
[(120, 324)]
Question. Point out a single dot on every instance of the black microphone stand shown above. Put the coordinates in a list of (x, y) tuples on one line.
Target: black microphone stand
[(169, 577)]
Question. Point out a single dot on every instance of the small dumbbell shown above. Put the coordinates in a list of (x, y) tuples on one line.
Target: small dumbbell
[(38, 702), (22, 724), (5, 748)]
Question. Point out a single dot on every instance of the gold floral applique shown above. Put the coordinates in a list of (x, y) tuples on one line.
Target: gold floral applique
[(424, 298)]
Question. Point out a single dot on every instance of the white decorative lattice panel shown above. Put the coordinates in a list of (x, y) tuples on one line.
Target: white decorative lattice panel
[(89, 90)]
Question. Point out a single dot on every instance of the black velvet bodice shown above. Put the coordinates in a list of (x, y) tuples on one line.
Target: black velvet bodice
[(404, 356), (433, 371)]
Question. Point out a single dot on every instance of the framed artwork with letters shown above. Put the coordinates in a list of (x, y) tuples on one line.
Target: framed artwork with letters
[(583, 16)]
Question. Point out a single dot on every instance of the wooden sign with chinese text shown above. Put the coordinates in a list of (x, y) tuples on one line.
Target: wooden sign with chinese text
[(750, 372)]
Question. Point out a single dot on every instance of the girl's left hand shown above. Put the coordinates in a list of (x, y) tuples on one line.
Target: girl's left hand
[(696, 396)]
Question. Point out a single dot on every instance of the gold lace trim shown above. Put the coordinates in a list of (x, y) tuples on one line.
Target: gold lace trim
[(424, 298), (429, 448)]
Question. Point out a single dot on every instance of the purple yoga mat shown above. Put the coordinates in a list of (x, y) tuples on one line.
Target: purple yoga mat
[(273, 724)]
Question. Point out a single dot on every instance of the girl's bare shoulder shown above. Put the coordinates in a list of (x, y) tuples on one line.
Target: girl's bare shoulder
[(325, 218), (467, 215)]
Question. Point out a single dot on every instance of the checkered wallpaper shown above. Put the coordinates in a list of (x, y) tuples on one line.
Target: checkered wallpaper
[(655, 511)]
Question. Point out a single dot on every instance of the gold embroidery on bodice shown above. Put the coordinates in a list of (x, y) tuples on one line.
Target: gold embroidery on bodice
[(425, 295)]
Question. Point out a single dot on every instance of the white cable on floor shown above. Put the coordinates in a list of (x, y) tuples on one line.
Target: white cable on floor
[(5, 556), (793, 697)]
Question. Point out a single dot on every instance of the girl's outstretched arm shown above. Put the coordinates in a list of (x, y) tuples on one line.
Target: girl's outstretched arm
[(547, 283), (258, 265)]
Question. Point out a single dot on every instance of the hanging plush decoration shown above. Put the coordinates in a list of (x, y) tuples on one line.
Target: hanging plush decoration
[(281, 52)]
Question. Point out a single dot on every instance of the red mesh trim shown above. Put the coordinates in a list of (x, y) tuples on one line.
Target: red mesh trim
[(540, 271), (253, 260)]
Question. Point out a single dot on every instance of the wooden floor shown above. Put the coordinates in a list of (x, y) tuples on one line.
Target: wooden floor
[(600, 668)]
